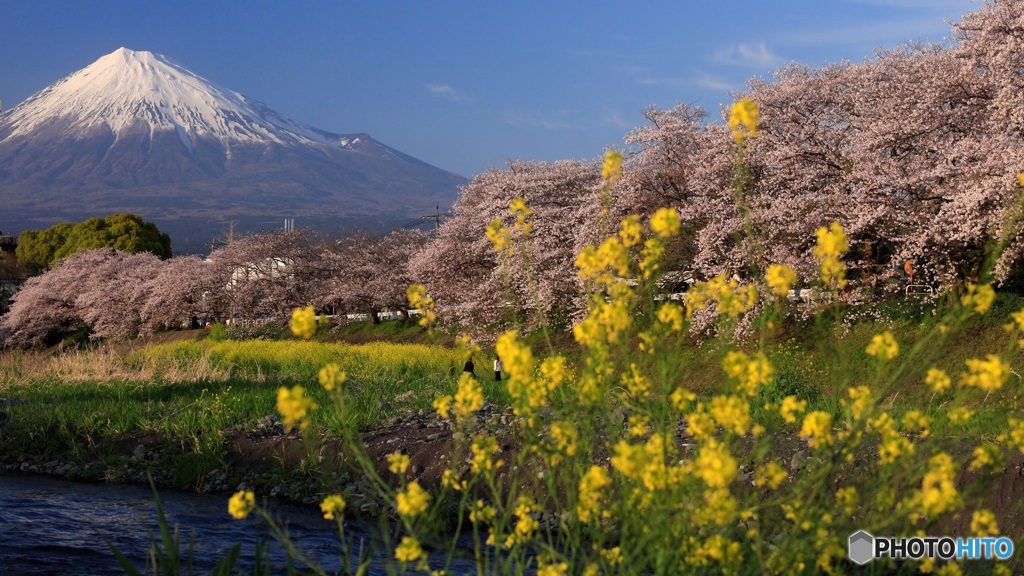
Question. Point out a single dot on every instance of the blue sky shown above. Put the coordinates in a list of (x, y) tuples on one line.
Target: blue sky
[(466, 84)]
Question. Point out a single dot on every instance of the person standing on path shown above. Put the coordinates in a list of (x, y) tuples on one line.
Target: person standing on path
[(497, 369), (469, 367)]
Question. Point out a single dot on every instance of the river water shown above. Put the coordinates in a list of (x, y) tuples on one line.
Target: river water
[(50, 526)]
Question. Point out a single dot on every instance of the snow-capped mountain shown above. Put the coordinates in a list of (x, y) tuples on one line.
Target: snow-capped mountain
[(135, 131)]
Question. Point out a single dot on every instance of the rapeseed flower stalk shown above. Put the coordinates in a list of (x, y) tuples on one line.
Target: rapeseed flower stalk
[(665, 223), (499, 236), (979, 297), (987, 375), (883, 346), (409, 550), (983, 523), (780, 279), (938, 380), (332, 507), (418, 299), (331, 377), (589, 504), (521, 211), (744, 119), (398, 463), (482, 449), (611, 169), (304, 322), (715, 466), (294, 405), (241, 504), (749, 372), (938, 492), (470, 396), (791, 407), (817, 429), (732, 413), (831, 245), (413, 501)]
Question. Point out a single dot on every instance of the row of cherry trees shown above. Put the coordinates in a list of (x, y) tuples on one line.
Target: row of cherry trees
[(114, 294), (915, 151)]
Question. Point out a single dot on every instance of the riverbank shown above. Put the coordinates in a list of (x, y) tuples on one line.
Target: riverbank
[(200, 415)]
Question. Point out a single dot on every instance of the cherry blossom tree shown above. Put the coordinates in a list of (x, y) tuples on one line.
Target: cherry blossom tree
[(370, 273), (466, 276)]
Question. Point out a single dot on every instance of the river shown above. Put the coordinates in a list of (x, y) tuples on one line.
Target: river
[(51, 526)]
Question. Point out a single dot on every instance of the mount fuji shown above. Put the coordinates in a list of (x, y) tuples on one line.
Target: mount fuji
[(136, 132)]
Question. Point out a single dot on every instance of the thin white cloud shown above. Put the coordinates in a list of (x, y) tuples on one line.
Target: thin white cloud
[(615, 118), (748, 55), (888, 34), (700, 79), (445, 91), (537, 119)]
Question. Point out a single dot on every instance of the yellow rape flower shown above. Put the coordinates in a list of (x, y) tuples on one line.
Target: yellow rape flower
[(979, 297), (613, 556), (294, 405), (418, 299), (332, 507), (331, 376), (937, 380), (409, 550), (241, 504), (303, 322), (883, 346), (499, 236), (611, 170), (442, 405), (817, 429), (516, 357), (591, 493), (398, 463), (960, 415), (770, 475), (565, 437), (938, 492), (519, 209), (750, 372), (715, 466), (831, 241), (482, 448), (413, 501), (630, 231), (450, 479), (731, 412), (639, 425), (482, 512), (791, 407), (682, 398), (553, 569), (847, 499), (629, 460), (983, 523), (744, 119), (671, 315), (470, 396), (650, 257), (780, 279), (987, 375), (986, 456), (665, 222)]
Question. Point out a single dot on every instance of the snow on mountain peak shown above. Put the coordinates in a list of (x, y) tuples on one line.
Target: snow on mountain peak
[(128, 89)]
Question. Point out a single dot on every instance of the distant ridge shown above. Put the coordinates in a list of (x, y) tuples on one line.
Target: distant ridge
[(136, 132)]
